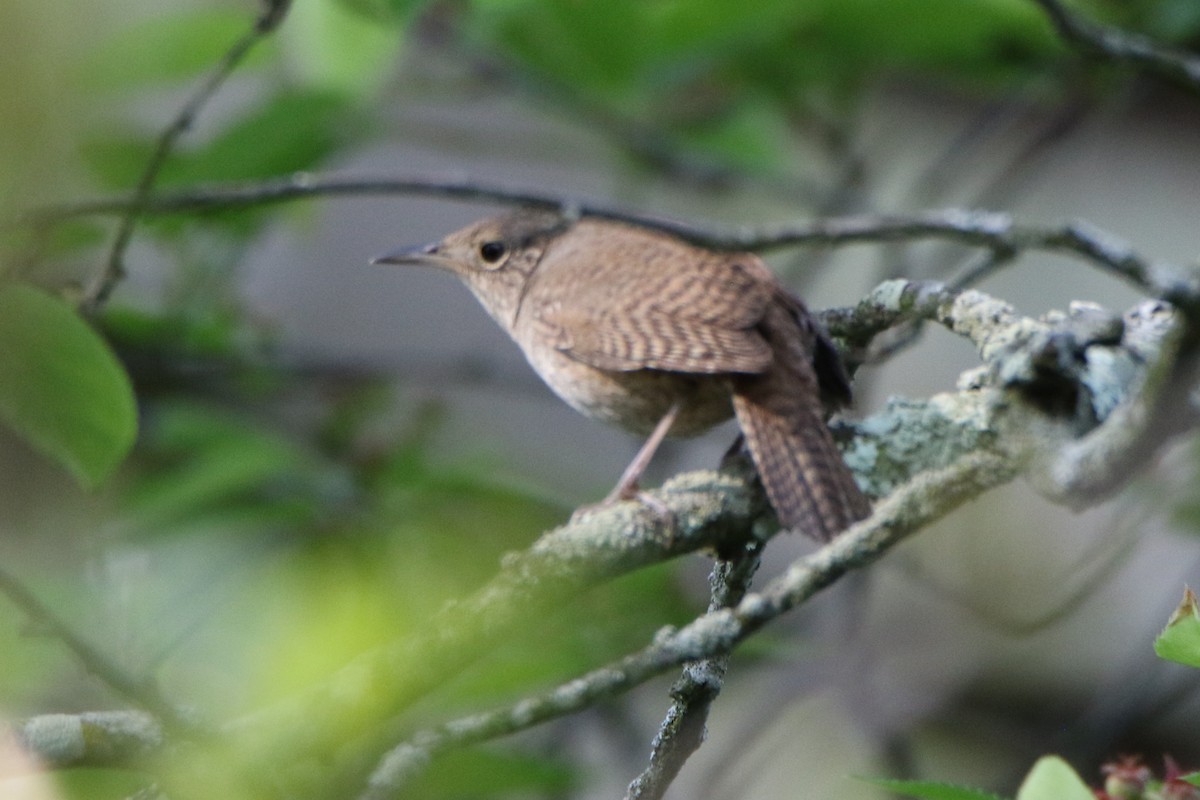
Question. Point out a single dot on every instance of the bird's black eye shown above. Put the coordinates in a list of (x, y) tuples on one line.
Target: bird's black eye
[(491, 252)]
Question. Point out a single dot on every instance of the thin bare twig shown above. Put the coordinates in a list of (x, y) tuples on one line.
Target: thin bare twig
[(141, 692), (973, 228), (1116, 45), (114, 269), (297, 186)]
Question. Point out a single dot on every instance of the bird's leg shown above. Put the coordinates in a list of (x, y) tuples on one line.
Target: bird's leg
[(627, 486)]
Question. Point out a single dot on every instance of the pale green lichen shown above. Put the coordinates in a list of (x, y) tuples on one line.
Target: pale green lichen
[(56, 738), (911, 436)]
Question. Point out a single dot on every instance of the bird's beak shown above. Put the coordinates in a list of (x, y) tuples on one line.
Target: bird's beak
[(422, 255)]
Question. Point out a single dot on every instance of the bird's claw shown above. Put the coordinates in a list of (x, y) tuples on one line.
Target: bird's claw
[(663, 516)]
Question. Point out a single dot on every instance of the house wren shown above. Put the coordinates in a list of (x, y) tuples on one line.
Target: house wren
[(659, 337)]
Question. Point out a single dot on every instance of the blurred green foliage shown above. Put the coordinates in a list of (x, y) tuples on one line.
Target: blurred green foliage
[(60, 385), (290, 131), (98, 784), (933, 790), (160, 50), (1180, 640), (482, 773), (1051, 778)]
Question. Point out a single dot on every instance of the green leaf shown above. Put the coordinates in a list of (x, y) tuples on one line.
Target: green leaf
[(292, 131), (1050, 779), (1053, 779), (164, 48), (932, 790), (1192, 778), (61, 387), (1180, 640), (90, 783)]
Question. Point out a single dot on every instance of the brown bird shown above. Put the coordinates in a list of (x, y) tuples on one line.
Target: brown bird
[(659, 337)]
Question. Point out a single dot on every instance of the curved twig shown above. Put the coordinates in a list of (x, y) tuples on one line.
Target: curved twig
[(114, 268)]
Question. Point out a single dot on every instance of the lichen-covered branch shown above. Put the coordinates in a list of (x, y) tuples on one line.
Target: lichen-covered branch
[(1070, 379), (684, 727), (923, 500), (101, 738)]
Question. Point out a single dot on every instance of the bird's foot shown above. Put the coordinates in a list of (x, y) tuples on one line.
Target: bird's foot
[(663, 516)]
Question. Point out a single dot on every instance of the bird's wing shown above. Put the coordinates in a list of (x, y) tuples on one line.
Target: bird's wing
[(703, 319)]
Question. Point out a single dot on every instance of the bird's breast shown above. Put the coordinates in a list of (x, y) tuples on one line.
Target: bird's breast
[(633, 400)]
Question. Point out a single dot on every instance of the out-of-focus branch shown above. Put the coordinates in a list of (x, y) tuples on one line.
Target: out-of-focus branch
[(710, 510), (1117, 45), (140, 692), (102, 738)]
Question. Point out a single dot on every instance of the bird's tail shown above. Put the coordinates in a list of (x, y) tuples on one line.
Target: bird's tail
[(809, 485), (781, 415)]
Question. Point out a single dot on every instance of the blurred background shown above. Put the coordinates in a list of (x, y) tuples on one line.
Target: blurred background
[(328, 450)]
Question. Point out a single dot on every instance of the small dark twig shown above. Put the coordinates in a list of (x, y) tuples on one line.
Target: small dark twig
[(1116, 45), (683, 729), (114, 268)]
